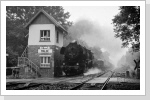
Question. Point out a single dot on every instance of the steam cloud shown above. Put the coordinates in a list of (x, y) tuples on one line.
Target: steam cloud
[(127, 61), (99, 39), (92, 71)]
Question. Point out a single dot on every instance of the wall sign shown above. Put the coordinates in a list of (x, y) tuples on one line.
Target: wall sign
[(44, 50)]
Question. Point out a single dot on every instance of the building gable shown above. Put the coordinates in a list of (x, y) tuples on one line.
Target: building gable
[(44, 18), (41, 19)]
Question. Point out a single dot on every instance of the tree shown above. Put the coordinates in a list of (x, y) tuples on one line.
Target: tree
[(127, 26), (17, 17)]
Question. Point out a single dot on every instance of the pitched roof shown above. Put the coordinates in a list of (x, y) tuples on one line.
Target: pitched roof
[(49, 17)]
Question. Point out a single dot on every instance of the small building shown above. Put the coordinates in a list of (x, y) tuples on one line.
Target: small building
[(45, 39)]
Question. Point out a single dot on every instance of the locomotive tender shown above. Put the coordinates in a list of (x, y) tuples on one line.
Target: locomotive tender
[(77, 59)]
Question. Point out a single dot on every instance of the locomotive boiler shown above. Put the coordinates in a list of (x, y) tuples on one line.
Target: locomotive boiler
[(77, 59)]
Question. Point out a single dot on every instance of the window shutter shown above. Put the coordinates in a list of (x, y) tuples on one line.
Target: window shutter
[(49, 33), (45, 59), (48, 59), (57, 38), (40, 34), (41, 59)]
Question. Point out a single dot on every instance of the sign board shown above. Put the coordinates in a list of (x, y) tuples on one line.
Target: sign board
[(44, 47), (44, 50)]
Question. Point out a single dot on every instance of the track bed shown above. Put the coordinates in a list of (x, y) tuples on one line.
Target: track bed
[(100, 81)]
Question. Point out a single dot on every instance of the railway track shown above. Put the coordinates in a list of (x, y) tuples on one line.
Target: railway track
[(103, 86), (106, 82), (58, 85), (27, 86), (21, 85), (14, 85), (32, 84)]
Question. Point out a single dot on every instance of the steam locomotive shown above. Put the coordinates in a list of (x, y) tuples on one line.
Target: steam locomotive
[(77, 59)]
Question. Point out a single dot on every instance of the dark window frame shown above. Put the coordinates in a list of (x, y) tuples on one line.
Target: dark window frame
[(57, 37), (45, 62), (44, 35)]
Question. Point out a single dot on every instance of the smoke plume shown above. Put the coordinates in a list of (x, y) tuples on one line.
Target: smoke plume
[(92, 71), (100, 39), (127, 61)]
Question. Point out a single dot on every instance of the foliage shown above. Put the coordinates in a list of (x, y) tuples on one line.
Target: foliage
[(17, 17), (127, 26)]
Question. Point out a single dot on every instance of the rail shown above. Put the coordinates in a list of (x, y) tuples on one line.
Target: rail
[(27, 86), (106, 82), (80, 85)]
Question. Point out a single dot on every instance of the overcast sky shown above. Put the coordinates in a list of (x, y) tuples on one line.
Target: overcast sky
[(101, 18), (103, 15)]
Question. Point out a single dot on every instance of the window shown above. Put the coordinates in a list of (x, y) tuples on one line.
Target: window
[(57, 37), (45, 35), (45, 62)]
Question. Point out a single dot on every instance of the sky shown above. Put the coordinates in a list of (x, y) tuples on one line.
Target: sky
[(95, 13), (101, 23)]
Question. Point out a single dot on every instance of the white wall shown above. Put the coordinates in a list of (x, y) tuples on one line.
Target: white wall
[(34, 34), (60, 43)]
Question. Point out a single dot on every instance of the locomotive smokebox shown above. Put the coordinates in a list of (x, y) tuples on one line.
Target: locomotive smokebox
[(62, 50), (72, 51), (77, 59)]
